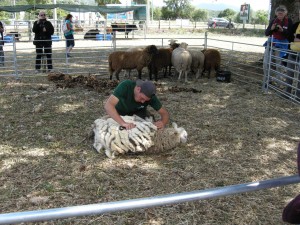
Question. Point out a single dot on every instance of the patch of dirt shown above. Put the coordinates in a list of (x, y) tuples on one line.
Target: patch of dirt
[(236, 134)]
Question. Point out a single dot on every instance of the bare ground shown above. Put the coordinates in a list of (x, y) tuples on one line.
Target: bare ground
[(237, 134)]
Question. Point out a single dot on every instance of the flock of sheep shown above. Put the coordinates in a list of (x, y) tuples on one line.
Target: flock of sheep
[(184, 60), (145, 136)]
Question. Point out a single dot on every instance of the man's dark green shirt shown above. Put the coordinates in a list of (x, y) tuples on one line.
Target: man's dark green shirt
[(127, 105)]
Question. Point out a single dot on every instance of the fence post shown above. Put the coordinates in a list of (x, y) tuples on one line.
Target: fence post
[(267, 64), (205, 40), (15, 57), (114, 41)]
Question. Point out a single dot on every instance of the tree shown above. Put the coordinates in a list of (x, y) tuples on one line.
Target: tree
[(199, 14), (104, 2), (157, 13), (261, 17), (227, 13), (139, 2), (176, 8), (293, 8)]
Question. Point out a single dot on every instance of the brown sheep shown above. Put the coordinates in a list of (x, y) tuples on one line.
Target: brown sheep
[(212, 60), (119, 60)]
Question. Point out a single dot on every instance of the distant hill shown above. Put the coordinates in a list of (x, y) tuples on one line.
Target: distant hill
[(217, 6)]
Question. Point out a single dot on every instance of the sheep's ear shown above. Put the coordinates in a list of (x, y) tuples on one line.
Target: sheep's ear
[(174, 125)]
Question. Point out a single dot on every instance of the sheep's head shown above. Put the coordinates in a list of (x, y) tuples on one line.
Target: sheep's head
[(152, 49), (183, 45), (182, 133), (173, 44)]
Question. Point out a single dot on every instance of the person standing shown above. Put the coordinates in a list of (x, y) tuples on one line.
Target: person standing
[(2, 33), (293, 61), (69, 35), (43, 30), (132, 98), (280, 28)]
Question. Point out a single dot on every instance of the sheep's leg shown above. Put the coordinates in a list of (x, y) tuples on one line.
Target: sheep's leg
[(150, 72), (140, 74), (165, 71), (117, 74), (170, 70), (127, 73), (197, 74), (186, 73), (180, 73), (155, 74)]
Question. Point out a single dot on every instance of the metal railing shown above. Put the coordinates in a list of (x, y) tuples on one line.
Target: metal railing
[(141, 203), (281, 75), (249, 63)]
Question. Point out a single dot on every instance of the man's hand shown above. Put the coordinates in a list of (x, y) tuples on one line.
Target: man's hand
[(128, 126), (159, 124)]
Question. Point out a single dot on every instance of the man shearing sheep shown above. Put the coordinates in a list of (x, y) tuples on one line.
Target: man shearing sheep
[(132, 98)]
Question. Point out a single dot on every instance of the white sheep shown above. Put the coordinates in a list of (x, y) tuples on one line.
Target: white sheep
[(119, 60), (197, 62), (144, 137), (182, 60)]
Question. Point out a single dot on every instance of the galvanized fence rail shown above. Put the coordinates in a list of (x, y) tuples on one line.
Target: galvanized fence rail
[(125, 205)]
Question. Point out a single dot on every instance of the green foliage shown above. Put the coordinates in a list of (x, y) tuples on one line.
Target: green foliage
[(176, 9), (157, 13), (104, 2), (167, 14), (261, 17), (139, 2), (200, 15), (227, 13)]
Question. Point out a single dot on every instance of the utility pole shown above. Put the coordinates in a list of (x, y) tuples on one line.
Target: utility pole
[(147, 13), (54, 11)]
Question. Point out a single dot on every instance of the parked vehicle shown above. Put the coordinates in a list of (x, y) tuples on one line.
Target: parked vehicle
[(220, 22)]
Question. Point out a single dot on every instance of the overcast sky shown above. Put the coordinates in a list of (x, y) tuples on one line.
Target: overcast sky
[(254, 4)]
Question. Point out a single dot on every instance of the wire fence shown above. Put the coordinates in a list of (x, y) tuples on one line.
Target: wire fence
[(250, 63)]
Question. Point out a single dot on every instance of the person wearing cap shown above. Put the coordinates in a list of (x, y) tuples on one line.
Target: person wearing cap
[(280, 28), (43, 30), (132, 98)]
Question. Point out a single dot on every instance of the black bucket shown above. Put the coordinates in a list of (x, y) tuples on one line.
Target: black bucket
[(223, 76)]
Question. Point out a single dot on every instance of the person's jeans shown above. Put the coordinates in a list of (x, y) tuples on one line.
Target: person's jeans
[(293, 59), (1, 55), (40, 50)]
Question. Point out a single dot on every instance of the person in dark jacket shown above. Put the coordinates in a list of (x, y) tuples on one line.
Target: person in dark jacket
[(2, 33), (43, 30), (280, 28), (293, 60)]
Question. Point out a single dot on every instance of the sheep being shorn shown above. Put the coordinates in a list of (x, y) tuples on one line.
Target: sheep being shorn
[(197, 62), (212, 60), (119, 60), (182, 60), (143, 138)]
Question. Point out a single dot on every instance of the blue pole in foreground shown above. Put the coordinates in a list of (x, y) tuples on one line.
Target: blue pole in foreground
[(101, 208)]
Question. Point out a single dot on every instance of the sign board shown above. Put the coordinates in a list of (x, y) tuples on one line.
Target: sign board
[(245, 12)]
